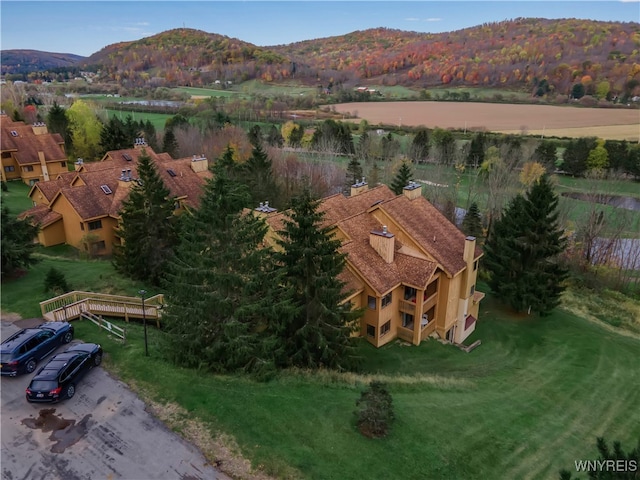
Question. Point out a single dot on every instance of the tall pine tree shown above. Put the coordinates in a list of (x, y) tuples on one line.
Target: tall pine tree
[(402, 178), (257, 173), (522, 253), (148, 226), (219, 284), (316, 332), (472, 222), (354, 173)]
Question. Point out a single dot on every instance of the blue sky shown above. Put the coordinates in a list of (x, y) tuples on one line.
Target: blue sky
[(84, 27)]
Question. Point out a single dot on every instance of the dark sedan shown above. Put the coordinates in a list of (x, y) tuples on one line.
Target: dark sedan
[(21, 352), (58, 379)]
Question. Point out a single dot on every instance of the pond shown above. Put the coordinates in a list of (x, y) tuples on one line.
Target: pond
[(620, 201), (153, 103)]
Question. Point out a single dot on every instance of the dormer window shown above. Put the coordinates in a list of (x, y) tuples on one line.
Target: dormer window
[(14, 133)]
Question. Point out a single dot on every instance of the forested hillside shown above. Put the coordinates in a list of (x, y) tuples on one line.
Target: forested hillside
[(24, 61), (524, 53)]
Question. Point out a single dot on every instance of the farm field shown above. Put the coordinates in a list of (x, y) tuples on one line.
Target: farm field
[(609, 124)]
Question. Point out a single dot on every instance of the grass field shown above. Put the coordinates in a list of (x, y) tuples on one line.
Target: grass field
[(525, 404), (16, 197)]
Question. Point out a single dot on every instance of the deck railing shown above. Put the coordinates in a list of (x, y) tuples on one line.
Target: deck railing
[(71, 305)]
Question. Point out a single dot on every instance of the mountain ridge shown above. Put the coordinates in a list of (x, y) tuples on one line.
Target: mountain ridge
[(514, 52)]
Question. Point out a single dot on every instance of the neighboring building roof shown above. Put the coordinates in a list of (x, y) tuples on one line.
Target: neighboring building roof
[(41, 215), (20, 138), (95, 189)]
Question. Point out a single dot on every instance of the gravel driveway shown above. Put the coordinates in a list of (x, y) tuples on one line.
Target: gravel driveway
[(103, 432)]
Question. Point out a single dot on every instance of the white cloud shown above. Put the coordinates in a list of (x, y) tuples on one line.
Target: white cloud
[(412, 19), (434, 19)]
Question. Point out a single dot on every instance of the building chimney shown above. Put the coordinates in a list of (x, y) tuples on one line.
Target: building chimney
[(78, 164), (384, 243), (359, 187), (139, 143), (39, 128), (413, 190), (199, 163), (264, 209)]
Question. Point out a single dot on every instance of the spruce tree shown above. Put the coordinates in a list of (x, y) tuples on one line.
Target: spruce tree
[(472, 222), (147, 226), (420, 146), (16, 243), (170, 144), (522, 252), (477, 150), (316, 331), (354, 172), (402, 178), (257, 173), (219, 284)]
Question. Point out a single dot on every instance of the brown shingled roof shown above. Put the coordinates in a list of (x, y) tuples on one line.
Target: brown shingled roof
[(42, 215), (27, 144), (382, 276), (430, 229), (49, 189)]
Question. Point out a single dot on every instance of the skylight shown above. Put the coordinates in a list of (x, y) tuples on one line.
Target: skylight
[(127, 157), (106, 189), (171, 172)]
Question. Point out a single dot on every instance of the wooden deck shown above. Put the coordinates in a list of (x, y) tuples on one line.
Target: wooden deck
[(71, 305)]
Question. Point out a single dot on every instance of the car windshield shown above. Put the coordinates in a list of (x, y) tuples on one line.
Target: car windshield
[(5, 357), (42, 385)]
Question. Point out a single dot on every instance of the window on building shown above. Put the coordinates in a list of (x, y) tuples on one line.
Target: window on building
[(372, 302), (96, 225), (28, 168), (386, 300), (407, 321), (371, 331), (410, 294), (81, 226), (431, 289), (9, 168), (63, 164), (33, 181), (475, 265), (98, 246), (473, 290), (386, 328)]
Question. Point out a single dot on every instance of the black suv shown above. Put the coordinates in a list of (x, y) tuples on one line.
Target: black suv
[(58, 378), (24, 349)]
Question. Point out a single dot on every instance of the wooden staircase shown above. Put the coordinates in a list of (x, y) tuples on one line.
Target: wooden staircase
[(71, 305)]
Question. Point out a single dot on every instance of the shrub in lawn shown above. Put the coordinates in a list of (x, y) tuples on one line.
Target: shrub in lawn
[(375, 411), (56, 282)]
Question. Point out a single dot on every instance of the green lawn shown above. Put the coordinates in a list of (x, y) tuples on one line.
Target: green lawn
[(525, 404), (158, 120), (16, 197)]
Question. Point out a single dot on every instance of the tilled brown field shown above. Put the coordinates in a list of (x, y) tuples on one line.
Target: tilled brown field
[(547, 120)]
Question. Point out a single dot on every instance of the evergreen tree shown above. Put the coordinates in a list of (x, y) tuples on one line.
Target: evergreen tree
[(522, 252), (113, 136), (546, 154), (375, 411), (576, 154), (274, 137), (170, 144), (472, 222), (477, 150), (295, 138), (627, 468), (257, 174), (219, 284), (402, 178), (374, 175), (148, 131), (16, 242), (316, 331), (57, 122), (354, 172), (255, 135), (147, 226), (420, 146)]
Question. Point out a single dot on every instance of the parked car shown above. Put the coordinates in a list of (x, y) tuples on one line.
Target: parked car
[(21, 352), (58, 379)]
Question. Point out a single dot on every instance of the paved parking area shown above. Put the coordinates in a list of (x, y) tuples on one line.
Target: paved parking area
[(103, 432)]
